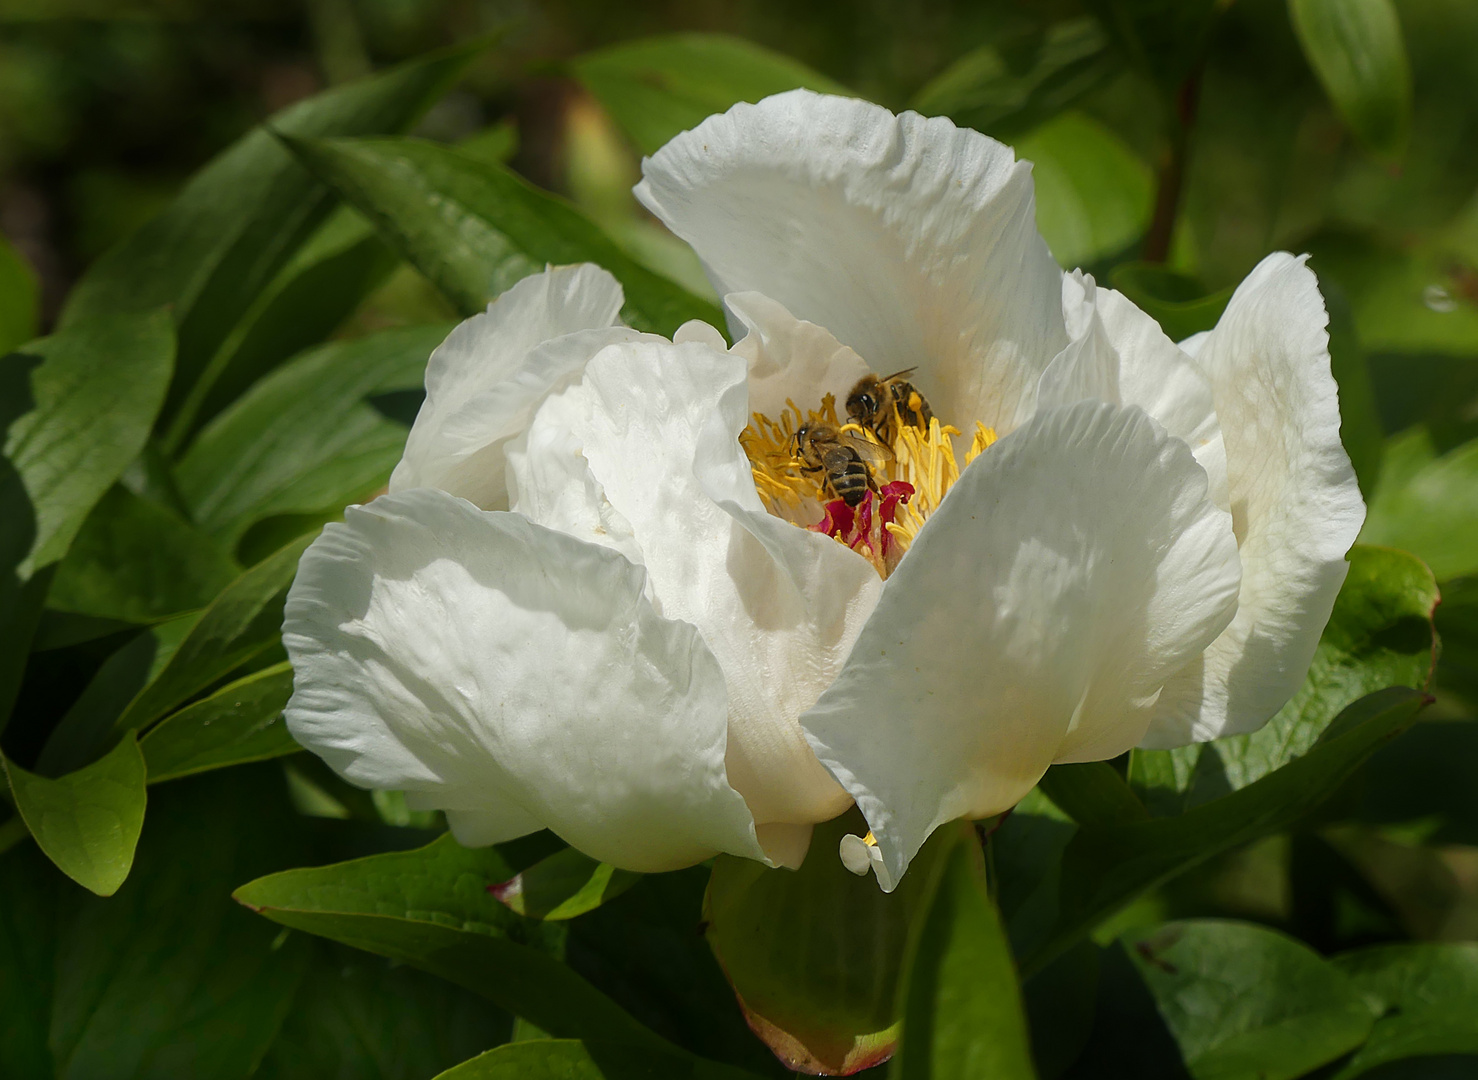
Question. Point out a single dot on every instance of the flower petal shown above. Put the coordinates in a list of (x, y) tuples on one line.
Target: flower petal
[(1087, 369), (550, 482), (1120, 355), (1156, 375), (790, 359), (778, 606), (514, 676), (912, 240), (1296, 508), (485, 380), (1072, 568)]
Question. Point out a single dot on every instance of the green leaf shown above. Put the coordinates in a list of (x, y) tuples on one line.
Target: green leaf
[(20, 299), (1425, 998), (94, 391), (497, 142), (20, 610), (357, 1015), (1001, 93), (240, 722), (137, 561), (1177, 302), (339, 265), (1092, 792), (86, 728), (959, 1003), (658, 87), (1359, 421), (474, 227), (1026, 849), (243, 622), (1457, 624), (75, 409), (29, 894), (241, 219), (1246, 1003), (168, 978), (1103, 867), (571, 1059), (431, 908), (563, 885), (815, 955), (1356, 49), (1379, 634), (1406, 298), (646, 950), (1060, 1003), (1094, 194), (88, 822), (1428, 505), (307, 436)]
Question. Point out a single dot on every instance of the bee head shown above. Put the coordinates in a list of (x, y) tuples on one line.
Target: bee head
[(862, 402)]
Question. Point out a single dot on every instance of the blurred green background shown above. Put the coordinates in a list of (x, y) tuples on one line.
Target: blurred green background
[(107, 108)]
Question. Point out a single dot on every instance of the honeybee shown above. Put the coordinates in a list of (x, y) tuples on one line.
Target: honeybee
[(881, 404), (847, 460)]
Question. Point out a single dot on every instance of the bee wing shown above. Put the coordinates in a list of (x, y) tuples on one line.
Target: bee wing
[(901, 374), (871, 453)]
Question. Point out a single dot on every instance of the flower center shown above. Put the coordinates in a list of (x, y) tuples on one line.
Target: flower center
[(841, 479)]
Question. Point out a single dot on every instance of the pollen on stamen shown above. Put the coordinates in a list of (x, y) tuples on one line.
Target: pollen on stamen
[(908, 487), (769, 445), (985, 438), (926, 459)]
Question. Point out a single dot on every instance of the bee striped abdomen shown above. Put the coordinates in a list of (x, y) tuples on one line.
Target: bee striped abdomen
[(847, 476)]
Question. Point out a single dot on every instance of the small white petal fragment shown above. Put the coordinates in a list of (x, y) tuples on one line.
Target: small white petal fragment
[(854, 854), (1296, 507), (1072, 569), (516, 678), (912, 240), (485, 380)]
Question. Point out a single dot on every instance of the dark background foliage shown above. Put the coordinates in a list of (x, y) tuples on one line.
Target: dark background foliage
[(1298, 902)]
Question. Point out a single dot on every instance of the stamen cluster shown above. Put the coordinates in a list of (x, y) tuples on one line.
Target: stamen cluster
[(911, 480)]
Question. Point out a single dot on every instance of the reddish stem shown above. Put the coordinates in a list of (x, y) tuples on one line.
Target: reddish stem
[(1170, 176)]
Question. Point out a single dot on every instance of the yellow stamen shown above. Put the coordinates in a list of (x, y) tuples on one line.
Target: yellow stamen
[(985, 438), (925, 459), (769, 444)]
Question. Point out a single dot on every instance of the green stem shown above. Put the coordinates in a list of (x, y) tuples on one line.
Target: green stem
[(988, 849), (1170, 176)]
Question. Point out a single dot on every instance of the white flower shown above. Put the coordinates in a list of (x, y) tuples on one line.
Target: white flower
[(577, 610)]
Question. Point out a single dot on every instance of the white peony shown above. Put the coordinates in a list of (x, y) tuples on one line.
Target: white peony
[(600, 598)]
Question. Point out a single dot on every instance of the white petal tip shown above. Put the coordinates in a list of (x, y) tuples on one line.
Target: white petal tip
[(699, 331)]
